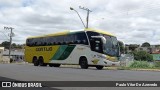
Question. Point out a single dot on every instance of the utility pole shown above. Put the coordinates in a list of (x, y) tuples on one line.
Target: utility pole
[(10, 40), (88, 11)]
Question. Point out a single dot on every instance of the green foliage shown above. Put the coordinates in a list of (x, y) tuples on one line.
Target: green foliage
[(157, 64), (132, 47), (144, 64), (145, 44), (5, 44), (142, 56), (123, 68), (140, 64)]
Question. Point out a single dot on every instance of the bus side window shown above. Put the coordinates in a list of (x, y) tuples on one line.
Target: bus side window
[(64, 43), (54, 43), (85, 42), (92, 44), (71, 42), (59, 43), (45, 43), (48, 44), (67, 42), (76, 42), (28, 42), (34, 44)]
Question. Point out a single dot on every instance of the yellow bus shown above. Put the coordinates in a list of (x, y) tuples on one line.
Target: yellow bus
[(88, 47)]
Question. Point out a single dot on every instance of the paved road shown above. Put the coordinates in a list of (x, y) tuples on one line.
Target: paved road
[(28, 72)]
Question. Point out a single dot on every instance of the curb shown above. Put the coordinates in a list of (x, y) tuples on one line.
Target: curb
[(77, 66), (157, 70)]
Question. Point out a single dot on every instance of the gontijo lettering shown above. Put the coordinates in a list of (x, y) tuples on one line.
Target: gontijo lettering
[(44, 49)]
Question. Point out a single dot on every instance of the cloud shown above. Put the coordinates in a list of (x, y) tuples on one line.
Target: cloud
[(132, 21)]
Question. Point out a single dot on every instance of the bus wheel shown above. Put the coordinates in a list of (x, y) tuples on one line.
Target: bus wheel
[(83, 63), (51, 65), (99, 67), (35, 61), (56, 65), (41, 62), (45, 64)]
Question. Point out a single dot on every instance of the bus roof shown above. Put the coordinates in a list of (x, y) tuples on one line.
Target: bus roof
[(99, 31), (66, 32)]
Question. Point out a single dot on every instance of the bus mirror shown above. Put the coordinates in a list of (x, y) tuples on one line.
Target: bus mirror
[(119, 52), (101, 37)]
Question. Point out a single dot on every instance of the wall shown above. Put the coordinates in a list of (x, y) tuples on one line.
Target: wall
[(1, 53), (156, 56)]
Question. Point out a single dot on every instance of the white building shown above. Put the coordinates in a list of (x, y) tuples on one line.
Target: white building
[(1, 53), (16, 55)]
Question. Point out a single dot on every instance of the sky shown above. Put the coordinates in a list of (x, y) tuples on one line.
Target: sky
[(132, 21)]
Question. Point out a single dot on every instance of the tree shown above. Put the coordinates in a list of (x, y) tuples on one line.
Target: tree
[(17, 46), (142, 56), (5, 44), (145, 44), (14, 45), (132, 47)]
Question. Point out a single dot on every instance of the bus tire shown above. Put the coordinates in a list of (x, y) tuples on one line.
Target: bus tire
[(41, 62), (99, 67), (83, 63), (35, 61), (56, 65), (51, 65), (45, 64)]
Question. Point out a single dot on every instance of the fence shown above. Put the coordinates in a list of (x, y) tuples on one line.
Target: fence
[(126, 59)]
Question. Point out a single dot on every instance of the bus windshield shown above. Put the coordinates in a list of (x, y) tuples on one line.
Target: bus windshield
[(111, 46)]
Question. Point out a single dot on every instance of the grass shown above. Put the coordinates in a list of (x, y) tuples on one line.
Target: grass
[(141, 65), (157, 64), (123, 68)]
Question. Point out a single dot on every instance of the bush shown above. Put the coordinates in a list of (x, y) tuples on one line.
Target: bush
[(140, 64), (157, 64), (142, 56)]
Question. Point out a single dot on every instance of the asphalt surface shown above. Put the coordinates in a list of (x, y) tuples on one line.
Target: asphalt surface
[(28, 72)]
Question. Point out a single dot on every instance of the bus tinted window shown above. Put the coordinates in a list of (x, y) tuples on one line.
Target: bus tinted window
[(81, 38), (73, 38), (89, 33)]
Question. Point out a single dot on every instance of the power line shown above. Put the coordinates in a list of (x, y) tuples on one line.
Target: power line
[(132, 12), (3, 39), (5, 35)]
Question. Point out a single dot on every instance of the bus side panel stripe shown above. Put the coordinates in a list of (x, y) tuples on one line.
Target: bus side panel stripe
[(59, 52), (67, 52)]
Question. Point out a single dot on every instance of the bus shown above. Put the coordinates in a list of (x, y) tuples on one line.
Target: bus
[(87, 47)]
